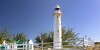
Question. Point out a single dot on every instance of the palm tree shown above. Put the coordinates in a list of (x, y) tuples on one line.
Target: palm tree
[(20, 37), (4, 35)]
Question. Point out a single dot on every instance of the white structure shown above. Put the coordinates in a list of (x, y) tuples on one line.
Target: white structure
[(31, 44), (57, 43), (28, 45), (4, 43), (88, 42)]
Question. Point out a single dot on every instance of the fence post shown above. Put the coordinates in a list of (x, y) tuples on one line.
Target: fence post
[(26, 45), (12, 46), (15, 46), (23, 46), (30, 45)]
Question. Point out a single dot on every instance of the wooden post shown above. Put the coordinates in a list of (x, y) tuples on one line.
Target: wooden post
[(42, 44), (42, 40)]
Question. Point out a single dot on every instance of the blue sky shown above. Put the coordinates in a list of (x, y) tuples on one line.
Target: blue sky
[(35, 16)]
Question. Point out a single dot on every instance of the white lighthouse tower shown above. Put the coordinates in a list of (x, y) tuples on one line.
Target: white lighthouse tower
[(57, 41)]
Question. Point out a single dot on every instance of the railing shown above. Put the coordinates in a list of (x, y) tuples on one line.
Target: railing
[(81, 44)]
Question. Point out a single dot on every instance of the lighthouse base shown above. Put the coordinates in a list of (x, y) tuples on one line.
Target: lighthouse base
[(57, 46)]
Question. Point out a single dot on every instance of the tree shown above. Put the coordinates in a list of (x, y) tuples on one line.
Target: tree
[(4, 35), (68, 37), (9, 38), (48, 37), (20, 37)]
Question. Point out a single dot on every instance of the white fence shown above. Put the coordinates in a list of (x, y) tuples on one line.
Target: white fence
[(14, 46)]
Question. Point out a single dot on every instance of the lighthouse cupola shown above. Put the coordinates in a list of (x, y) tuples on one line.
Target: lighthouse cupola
[(57, 11)]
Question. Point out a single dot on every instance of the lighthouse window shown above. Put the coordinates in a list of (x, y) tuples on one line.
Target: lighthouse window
[(57, 16), (57, 30)]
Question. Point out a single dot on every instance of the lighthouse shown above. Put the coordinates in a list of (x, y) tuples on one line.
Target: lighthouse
[(57, 41)]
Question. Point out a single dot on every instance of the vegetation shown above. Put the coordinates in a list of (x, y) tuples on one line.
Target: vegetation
[(47, 37), (5, 35), (20, 36)]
